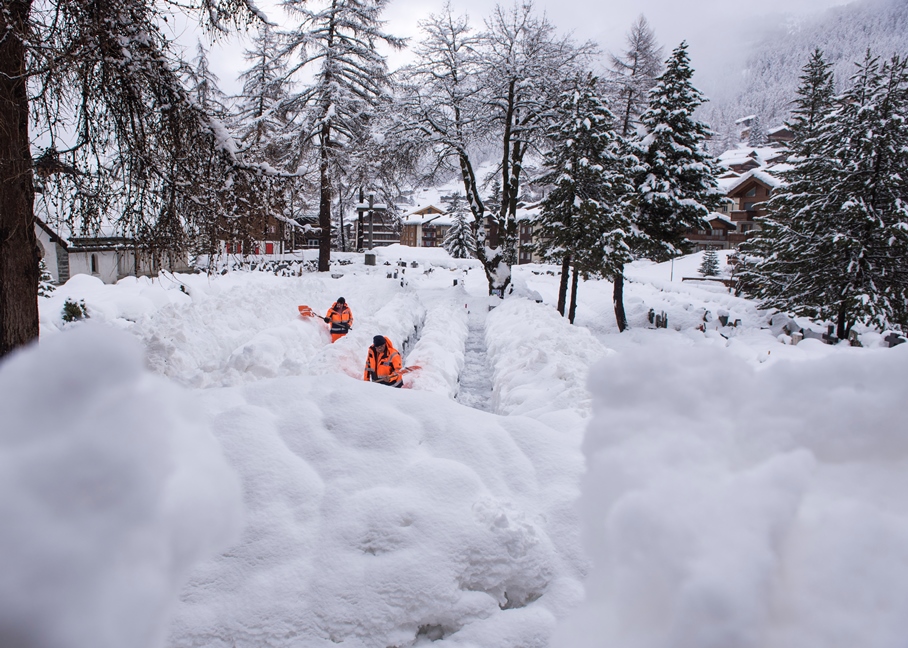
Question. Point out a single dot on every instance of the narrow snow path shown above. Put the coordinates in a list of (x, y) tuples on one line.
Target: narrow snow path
[(476, 378)]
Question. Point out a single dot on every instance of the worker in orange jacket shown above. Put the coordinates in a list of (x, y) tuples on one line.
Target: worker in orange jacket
[(383, 363), (340, 317)]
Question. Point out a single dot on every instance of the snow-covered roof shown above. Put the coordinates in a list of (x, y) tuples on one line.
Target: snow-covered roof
[(713, 216), (435, 218), (745, 119), (761, 175)]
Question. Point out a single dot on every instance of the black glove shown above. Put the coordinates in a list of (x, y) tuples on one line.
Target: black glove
[(327, 319)]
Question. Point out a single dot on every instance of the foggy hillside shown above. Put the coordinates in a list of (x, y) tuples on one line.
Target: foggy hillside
[(769, 80)]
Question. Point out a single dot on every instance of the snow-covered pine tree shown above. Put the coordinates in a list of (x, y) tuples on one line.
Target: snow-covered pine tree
[(676, 184), (710, 265), (812, 105), (45, 280), (848, 240), (777, 261), (633, 74), (336, 42), (459, 241), (757, 136), (584, 223)]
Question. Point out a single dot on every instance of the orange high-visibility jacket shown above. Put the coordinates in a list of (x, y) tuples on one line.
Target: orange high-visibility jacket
[(340, 317), (384, 367)]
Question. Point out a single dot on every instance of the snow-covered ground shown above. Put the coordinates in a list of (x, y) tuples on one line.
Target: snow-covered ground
[(196, 465)]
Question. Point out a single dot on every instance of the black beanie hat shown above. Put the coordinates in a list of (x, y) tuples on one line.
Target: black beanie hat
[(378, 340), (341, 300)]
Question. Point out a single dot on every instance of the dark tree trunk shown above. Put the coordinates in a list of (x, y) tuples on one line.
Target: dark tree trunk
[(574, 281), (471, 188), (618, 299), (324, 201), (18, 244), (843, 326), (562, 288)]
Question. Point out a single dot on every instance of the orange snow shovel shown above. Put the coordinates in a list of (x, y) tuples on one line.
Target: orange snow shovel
[(305, 311)]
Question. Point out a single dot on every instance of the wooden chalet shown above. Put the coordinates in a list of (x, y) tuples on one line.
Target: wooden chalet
[(779, 136), (749, 195), (425, 227), (714, 233)]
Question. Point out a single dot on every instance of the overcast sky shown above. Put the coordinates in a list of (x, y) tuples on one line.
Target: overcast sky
[(716, 30)]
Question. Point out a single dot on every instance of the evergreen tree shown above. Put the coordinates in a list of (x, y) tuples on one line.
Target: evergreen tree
[(45, 280), (633, 76), (710, 265), (676, 184), (584, 224), (459, 241), (812, 105), (837, 238), (634, 73), (336, 44), (775, 258), (757, 136)]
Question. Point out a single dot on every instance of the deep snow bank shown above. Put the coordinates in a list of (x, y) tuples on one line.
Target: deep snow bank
[(381, 517), (111, 487), (731, 506)]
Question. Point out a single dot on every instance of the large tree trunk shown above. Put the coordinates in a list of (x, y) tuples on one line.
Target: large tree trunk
[(18, 244), (563, 285), (574, 281), (324, 202), (618, 299)]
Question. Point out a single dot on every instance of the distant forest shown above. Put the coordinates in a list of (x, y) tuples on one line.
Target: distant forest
[(770, 77)]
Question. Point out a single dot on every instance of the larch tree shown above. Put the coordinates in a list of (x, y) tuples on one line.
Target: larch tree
[(633, 73), (676, 181), (203, 84), (260, 122), (584, 223), (336, 43), (99, 82)]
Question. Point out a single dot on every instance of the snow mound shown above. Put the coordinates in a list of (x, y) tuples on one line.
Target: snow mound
[(110, 490), (382, 517), (716, 519), (540, 361)]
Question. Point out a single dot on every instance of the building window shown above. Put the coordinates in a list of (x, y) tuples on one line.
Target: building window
[(751, 192), (94, 264), (749, 206)]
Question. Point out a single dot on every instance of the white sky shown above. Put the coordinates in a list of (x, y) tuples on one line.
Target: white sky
[(713, 28)]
